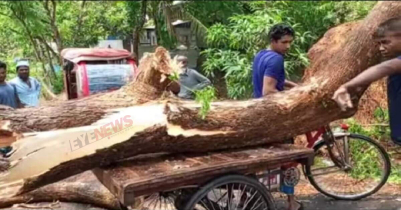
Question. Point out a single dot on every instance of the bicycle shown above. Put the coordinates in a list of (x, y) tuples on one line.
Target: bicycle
[(342, 153)]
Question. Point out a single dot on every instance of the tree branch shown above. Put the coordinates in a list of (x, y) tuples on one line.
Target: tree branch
[(43, 41), (15, 31), (80, 17)]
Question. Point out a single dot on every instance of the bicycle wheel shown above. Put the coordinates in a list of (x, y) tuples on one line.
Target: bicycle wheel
[(231, 192), (367, 168)]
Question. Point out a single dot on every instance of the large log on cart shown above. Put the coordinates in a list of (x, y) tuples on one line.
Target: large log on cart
[(103, 129)]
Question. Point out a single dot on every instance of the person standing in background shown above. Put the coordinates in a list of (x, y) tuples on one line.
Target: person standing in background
[(8, 94), (190, 80), (269, 78), (28, 88)]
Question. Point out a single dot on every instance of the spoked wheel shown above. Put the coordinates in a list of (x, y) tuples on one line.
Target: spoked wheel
[(170, 200), (231, 192), (158, 201), (361, 168)]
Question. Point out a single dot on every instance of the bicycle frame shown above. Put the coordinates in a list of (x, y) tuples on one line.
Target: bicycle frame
[(327, 136), (312, 139), (341, 160)]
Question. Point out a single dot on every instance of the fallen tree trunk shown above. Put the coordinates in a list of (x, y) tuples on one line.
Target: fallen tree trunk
[(375, 96), (54, 205), (176, 127), (82, 188), (150, 84)]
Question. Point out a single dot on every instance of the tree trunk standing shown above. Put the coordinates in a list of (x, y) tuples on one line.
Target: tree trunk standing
[(138, 29), (56, 34), (79, 22), (176, 127), (50, 74)]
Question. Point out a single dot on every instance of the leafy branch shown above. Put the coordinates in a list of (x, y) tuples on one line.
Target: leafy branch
[(204, 96)]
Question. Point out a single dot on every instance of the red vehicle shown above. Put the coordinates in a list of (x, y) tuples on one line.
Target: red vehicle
[(89, 71)]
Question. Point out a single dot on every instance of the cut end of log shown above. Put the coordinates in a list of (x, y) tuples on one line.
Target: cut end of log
[(4, 164)]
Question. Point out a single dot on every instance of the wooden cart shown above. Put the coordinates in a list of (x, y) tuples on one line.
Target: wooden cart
[(185, 178)]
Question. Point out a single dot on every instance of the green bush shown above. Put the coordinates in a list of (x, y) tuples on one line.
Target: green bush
[(232, 46), (366, 167)]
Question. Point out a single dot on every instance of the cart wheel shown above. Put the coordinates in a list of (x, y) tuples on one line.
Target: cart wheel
[(169, 200), (157, 201), (231, 192)]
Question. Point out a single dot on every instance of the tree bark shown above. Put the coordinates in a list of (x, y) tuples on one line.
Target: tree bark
[(138, 28), (149, 85), (82, 188), (175, 126), (79, 22), (56, 33)]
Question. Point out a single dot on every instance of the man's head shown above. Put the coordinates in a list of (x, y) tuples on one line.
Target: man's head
[(23, 69), (388, 34), (183, 60), (3, 72), (281, 37)]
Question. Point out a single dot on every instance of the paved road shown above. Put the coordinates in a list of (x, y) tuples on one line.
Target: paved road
[(311, 203), (320, 202)]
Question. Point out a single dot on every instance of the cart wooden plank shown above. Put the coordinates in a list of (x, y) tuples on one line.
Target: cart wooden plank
[(146, 175)]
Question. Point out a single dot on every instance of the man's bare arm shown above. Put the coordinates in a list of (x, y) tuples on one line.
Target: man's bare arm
[(290, 84), (374, 73), (342, 95), (269, 85)]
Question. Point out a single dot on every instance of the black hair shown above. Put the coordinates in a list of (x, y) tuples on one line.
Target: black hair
[(391, 25), (3, 65), (277, 31)]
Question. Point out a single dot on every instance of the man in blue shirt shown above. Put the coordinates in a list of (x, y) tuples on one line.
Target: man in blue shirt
[(28, 88), (269, 77), (8, 98), (388, 35), (8, 94), (268, 65)]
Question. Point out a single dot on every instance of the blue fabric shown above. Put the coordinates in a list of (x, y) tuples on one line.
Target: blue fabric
[(267, 63), (8, 95), (27, 95), (288, 190), (394, 106)]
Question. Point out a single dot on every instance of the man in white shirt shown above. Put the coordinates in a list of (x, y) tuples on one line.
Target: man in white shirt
[(28, 88)]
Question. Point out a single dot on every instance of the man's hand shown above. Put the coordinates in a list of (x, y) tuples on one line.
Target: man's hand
[(289, 84), (343, 98)]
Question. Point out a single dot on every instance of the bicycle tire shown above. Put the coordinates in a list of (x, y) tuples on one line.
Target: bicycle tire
[(227, 179), (384, 178)]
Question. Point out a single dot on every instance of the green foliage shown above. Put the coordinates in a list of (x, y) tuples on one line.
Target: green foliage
[(28, 29), (364, 156), (212, 12), (58, 85), (82, 25), (246, 34), (237, 70), (205, 97), (237, 30)]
